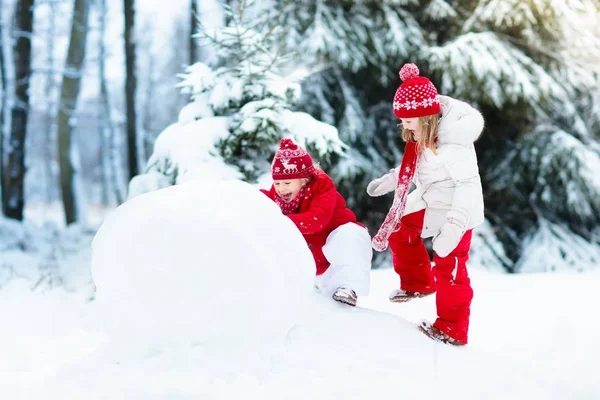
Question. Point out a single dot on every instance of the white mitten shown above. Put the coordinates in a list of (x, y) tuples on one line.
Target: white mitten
[(450, 233), (383, 185)]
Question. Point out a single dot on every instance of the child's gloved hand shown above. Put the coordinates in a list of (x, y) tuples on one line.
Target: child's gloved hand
[(450, 233), (383, 185)]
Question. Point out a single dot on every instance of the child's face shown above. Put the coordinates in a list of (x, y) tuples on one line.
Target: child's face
[(412, 124), (288, 189)]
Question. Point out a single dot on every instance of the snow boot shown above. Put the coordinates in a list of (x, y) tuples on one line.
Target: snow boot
[(402, 296), (438, 335), (345, 295)]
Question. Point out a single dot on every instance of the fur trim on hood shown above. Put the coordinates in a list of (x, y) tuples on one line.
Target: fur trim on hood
[(460, 123)]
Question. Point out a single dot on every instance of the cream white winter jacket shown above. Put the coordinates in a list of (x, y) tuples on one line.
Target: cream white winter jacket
[(448, 185)]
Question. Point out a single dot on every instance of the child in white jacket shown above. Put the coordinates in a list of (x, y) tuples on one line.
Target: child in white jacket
[(439, 158)]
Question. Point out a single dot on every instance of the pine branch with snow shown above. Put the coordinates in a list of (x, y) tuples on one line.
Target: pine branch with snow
[(548, 176)]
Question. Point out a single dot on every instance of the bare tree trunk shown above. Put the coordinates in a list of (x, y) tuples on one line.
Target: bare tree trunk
[(15, 172), (2, 109), (130, 87), (50, 108), (110, 168), (68, 100), (193, 30)]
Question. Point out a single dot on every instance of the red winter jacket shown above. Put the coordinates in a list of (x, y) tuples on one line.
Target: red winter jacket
[(319, 215)]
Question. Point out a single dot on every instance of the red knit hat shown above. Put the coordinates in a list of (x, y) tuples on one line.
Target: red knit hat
[(291, 162), (416, 97)]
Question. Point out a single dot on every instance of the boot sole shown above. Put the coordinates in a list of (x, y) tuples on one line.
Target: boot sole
[(344, 300), (404, 299), (450, 342)]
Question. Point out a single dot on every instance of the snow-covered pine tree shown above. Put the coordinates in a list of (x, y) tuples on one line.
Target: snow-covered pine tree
[(241, 105)]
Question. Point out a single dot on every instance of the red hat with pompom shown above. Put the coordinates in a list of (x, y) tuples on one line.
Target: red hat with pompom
[(291, 162), (416, 96)]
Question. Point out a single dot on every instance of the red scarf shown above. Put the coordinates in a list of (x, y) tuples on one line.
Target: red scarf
[(406, 174), (293, 206)]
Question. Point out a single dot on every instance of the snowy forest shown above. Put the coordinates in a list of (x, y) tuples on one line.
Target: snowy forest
[(102, 100)]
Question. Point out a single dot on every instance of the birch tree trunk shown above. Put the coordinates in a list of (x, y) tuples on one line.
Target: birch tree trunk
[(130, 87), (68, 101), (15, 169)]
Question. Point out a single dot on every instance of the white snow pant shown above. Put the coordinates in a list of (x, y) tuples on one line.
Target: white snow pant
[(348, 250)]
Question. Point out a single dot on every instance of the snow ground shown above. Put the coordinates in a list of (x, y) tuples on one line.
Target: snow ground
[(532, 336), (526, 342)]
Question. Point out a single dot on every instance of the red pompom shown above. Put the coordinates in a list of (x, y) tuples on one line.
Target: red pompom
[(409, 71), (287, 143)]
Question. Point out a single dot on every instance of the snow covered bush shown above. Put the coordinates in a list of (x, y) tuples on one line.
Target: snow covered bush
[(554, 248), (192, 262)]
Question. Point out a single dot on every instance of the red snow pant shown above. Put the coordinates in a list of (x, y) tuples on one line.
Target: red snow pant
[(452, 283)]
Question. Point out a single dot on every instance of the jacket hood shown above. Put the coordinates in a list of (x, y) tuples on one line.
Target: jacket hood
[(460, 123)]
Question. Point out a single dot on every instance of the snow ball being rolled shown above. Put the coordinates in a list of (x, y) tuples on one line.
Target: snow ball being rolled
[(201, 260)]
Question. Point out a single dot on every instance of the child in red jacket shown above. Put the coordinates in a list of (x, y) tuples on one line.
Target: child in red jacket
[(340, 246)]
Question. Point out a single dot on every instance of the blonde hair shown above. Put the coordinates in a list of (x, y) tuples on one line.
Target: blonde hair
[(429, 131)]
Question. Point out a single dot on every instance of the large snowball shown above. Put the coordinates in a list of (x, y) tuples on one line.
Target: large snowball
[(200, 261)]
